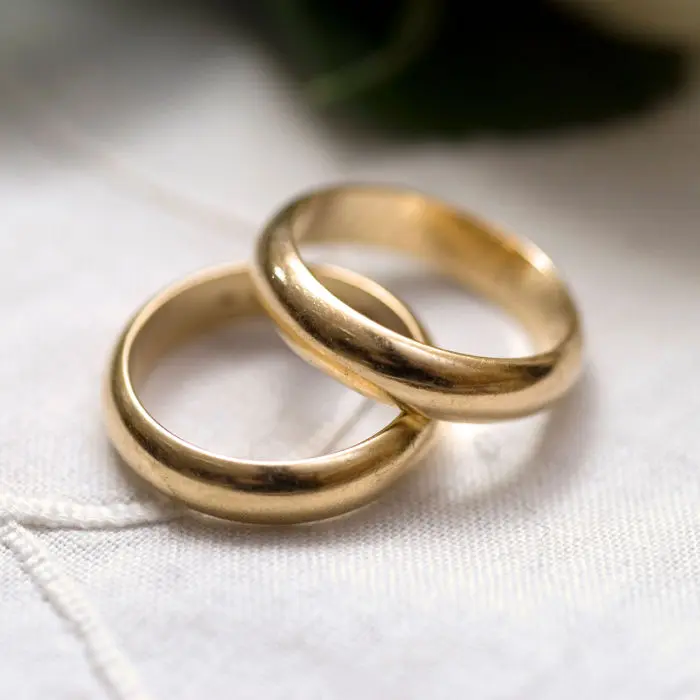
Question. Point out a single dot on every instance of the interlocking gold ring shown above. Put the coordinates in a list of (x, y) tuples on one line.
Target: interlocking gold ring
[(246, 490), (393, 368)]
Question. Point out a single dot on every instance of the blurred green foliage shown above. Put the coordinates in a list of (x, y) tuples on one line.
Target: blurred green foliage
[(455, 67)]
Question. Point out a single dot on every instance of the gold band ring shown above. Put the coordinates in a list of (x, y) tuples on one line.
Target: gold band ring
[(388, 366), (246, 490)]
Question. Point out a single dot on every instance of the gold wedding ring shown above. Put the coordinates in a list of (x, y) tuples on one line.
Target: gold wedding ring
[(355, 330), (246, 490), (406, 371)]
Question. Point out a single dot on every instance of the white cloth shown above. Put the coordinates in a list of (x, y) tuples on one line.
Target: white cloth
[(551, 557)]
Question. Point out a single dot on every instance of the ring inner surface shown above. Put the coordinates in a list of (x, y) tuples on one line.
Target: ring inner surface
[(513, 274), (206, 304)]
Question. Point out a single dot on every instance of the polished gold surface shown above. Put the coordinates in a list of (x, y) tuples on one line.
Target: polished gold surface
[(391, 367), (247, 490)]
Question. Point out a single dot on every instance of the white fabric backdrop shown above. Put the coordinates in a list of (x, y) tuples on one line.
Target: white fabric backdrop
[(552, 557)]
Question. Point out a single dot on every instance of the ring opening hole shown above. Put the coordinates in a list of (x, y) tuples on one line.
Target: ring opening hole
[(456, 318), (240, 391)]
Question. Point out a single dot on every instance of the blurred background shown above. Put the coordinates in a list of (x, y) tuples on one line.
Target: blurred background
[(180, 88), (419, 68)]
